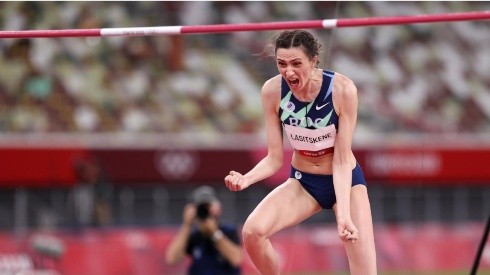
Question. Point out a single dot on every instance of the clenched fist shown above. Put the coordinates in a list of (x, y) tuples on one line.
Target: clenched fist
[(236, 181)]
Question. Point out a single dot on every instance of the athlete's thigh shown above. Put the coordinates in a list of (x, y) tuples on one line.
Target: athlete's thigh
[(286, 205)]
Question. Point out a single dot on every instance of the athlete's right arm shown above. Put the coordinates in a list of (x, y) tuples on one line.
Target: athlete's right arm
[(271, 96)]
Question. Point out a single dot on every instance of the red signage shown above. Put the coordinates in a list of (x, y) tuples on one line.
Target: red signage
[(47, 167)]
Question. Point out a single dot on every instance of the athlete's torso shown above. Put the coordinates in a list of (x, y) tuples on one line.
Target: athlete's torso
[(311, 127)]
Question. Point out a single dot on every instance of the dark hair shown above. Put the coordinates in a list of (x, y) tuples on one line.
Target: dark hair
[(294, 38)]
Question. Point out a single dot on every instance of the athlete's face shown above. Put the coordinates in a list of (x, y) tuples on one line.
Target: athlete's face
[(295, 66)]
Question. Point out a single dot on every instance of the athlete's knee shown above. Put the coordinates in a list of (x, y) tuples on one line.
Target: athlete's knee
[(252, 232)]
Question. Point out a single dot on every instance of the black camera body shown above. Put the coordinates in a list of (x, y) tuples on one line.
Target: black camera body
[(203, 211)]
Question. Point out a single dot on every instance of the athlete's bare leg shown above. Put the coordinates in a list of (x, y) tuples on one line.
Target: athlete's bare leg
[(285, 206), (361, 253)]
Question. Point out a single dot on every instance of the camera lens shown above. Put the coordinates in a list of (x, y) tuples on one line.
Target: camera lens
[(203, 211)]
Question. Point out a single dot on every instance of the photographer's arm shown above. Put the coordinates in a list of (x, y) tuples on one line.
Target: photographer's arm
[(230, 250), (176, 249)]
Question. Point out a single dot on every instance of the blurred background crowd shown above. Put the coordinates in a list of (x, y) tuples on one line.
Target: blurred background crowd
[(430, 78)]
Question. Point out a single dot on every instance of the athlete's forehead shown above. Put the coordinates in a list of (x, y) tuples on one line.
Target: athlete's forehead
[(290, 54)]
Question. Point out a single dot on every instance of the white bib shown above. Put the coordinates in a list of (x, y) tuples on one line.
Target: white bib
[(313, 140)]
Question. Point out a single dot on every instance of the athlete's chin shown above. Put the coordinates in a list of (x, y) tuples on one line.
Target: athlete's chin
[(294, 88)]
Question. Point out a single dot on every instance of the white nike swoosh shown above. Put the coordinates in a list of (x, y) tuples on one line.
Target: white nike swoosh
[(320, 107)]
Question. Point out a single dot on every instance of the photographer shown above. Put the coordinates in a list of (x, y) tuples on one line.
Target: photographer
[(214, 247)]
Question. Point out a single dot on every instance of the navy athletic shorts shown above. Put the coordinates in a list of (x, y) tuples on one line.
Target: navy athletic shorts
[(321, 186)]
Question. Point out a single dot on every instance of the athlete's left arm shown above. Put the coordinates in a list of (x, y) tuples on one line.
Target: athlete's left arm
[(345, 101)]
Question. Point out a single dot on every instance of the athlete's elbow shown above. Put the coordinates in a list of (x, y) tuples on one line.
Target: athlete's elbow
[(276, 164), (340, 159), (275, 161)]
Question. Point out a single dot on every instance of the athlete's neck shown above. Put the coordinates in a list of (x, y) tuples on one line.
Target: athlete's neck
[(312, 87)]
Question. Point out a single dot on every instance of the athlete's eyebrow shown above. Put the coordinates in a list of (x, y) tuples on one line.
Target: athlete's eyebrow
[(293, 60)]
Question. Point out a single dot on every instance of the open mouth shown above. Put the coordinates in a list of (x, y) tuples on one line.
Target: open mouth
[(294, 82)]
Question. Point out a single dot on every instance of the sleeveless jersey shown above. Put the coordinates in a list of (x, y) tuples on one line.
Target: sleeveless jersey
[(311, 127)]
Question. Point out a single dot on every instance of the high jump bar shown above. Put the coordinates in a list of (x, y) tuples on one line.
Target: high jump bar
[(265, 26)]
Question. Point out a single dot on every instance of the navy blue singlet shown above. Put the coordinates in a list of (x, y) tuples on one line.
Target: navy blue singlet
[(312, 115)]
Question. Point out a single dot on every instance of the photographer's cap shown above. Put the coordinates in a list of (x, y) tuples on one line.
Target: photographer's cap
[(203, 194)]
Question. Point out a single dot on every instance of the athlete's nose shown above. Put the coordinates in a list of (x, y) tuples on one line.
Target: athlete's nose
[(289, 71)]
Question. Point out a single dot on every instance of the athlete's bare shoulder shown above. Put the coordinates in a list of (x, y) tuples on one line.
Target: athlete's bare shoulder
[(343, 83), (343, 86), (344, 91), (272, 86)]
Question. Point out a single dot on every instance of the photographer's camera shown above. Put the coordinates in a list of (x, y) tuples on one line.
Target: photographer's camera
[(203, 211)]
